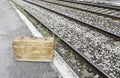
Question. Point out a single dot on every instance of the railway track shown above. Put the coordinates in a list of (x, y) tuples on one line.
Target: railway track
[(112, 7), (91, 64), (99, 10), (112, 30)]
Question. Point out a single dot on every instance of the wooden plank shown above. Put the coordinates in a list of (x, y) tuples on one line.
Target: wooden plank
[(34, 41), (34, 49)]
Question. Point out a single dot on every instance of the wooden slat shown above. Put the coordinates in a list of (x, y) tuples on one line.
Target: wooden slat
[(34, 49)]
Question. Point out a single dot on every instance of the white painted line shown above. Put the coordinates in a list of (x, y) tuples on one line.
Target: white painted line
[(63, 67), (27, 22), (60, 64)]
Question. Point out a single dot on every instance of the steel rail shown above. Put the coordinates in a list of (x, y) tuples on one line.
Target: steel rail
[(86, 10), (89, 63), (93, 4)]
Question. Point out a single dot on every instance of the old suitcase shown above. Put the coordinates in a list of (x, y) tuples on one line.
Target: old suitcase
[(34, 49)]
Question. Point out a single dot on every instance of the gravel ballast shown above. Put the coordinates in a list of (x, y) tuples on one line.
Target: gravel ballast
[(99, 21)]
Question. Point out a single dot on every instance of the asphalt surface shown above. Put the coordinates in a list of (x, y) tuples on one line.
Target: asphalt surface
[(11, 26)]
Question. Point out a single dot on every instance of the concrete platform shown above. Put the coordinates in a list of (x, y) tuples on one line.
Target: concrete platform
[(11, 26)]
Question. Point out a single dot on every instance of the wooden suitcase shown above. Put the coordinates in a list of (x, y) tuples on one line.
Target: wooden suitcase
[(34, 49)]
